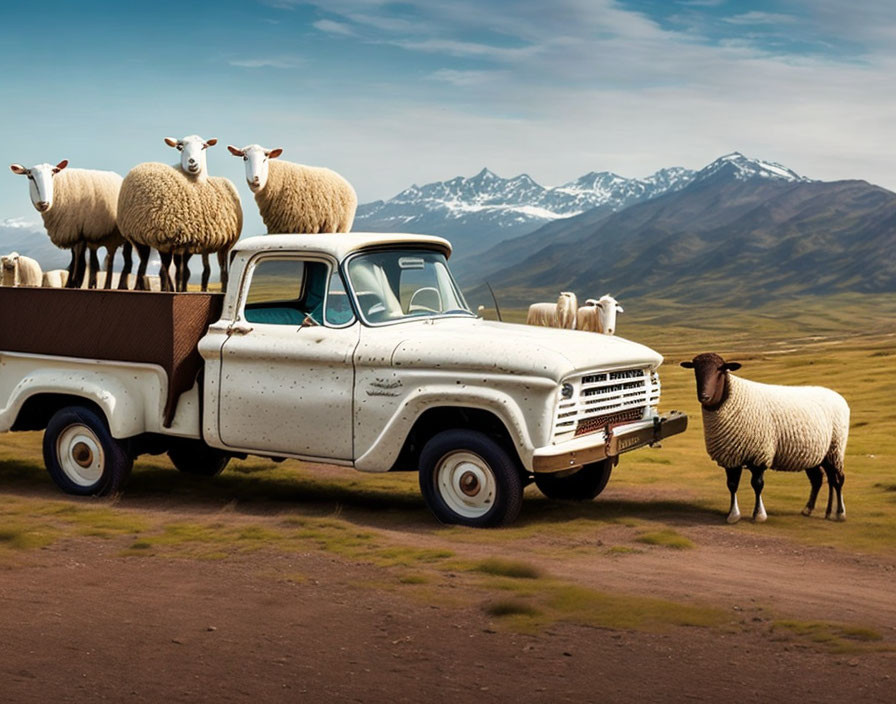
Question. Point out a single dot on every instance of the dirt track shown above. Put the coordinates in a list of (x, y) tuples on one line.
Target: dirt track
[(80, 623)]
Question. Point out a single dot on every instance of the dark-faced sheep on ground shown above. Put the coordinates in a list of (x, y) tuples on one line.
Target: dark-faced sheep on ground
[(766, 426)]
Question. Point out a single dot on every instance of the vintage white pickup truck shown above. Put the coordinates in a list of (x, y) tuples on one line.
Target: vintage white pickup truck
[(350, 349)]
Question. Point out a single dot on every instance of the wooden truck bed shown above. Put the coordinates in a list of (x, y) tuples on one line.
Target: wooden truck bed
[(126, 326)]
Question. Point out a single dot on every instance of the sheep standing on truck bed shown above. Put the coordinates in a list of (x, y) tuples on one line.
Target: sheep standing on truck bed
[(79, 208), (20, 271), (762, 426), (561, 314), (294, 198), (180, 211)]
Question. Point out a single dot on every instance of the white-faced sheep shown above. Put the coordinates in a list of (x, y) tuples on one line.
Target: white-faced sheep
[(19, 270), (294, 198), (79, 208), (765, 426), (180, 211), (561, 314), (55, 278), (599, 315)]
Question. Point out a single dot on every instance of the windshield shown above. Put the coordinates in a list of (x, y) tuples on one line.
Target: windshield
[(402, 284)]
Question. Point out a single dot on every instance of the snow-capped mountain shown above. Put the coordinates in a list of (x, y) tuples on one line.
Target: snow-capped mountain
[(743, 168), (481, 210)]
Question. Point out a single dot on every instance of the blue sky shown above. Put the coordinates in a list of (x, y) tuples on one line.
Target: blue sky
[(392, 93)]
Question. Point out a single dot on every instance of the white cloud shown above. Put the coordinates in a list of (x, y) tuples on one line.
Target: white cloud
[(19, 224), (334, 28), (465, 78), (281, 62), (754, 18)]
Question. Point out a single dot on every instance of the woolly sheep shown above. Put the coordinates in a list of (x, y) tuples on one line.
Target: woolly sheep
[(78, 207), (561, 314), (55, 278), (19, 270), (294, 198), (599, 315), (180, 211), (762, 426)]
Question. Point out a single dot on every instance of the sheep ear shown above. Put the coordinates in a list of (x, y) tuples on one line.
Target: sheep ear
[(274, 153), (236, 152), (687, 365), (619, 309), (211, 142), (18, 169), (731, 366), (171, 141), (60, 166)]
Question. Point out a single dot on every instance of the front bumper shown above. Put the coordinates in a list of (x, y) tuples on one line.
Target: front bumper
[(611, 443)]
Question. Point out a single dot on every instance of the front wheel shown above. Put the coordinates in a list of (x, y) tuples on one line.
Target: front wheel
[(82, 456), (469, 479), (583, 485)]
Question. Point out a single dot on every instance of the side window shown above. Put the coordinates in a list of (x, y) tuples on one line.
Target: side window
[(275, 292), (339, 311)]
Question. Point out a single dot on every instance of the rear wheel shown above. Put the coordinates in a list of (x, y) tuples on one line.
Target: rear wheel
[(195, 457), (82, 456), (583, 485), (467, 478)]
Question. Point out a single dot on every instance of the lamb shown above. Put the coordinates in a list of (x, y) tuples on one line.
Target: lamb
[(79, 207), (599, 315), (762, 426), (55, 278), (294, 198), (180, 211), (19, 270), (561, 314)]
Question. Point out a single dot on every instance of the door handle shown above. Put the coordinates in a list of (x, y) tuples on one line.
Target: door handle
[(239, 329)]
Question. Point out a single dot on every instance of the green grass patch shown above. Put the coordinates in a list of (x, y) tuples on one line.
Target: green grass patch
[(622, 550), (833, 637), (508, 568), (510, 607), (666, 538), (23, 538)]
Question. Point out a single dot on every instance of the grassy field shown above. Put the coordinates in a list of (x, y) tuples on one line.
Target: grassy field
[(658, 499)]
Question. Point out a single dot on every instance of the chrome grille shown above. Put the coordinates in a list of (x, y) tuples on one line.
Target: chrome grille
[(606, 398)]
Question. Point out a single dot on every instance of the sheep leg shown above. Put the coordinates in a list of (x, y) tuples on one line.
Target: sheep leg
[(206, 271), (183, 267), (223, 266), (733, 474), (143, 251), (164, 273), (94, 267), (110, 259), (72, 267), (757, 482), (816, 478), (127, 252), (80, 263), (835, 485)]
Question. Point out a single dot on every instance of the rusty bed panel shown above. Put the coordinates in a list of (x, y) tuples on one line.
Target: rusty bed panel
[(127, 326)]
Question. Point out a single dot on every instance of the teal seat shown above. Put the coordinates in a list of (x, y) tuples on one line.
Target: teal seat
[(281, 315)]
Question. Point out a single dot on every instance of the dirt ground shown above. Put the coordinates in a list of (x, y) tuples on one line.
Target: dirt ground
[(79, 622)]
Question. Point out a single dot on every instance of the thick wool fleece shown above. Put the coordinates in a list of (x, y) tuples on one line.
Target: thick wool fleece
[(788, 428), (85, 204), (305, 199), (162, 207)]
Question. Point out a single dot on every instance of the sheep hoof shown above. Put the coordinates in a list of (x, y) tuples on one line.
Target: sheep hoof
[(807, 511), (733, 517), (760, 517)]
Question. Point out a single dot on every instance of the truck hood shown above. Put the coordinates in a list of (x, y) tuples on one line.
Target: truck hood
[(470, 344)]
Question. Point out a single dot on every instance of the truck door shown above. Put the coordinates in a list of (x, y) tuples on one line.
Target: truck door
[(286, 368)]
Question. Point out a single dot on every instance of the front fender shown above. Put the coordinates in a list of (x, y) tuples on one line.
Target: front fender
[(384, 450)]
